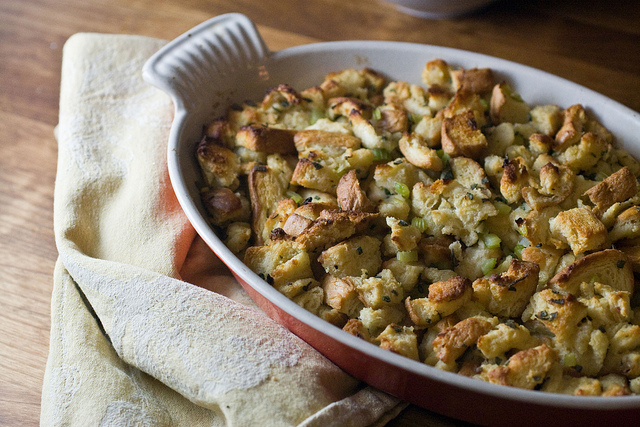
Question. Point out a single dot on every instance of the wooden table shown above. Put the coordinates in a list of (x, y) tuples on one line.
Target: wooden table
[(594, 43)]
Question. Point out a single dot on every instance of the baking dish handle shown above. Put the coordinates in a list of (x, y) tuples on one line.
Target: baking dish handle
[(217, 47)]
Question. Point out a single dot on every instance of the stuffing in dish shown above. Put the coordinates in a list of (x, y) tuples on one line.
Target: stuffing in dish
[(449, 222)]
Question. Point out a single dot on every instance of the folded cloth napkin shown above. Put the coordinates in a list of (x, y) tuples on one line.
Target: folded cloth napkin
[(148, 326)]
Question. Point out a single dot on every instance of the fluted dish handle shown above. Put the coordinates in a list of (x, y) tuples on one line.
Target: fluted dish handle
[(208, 52)]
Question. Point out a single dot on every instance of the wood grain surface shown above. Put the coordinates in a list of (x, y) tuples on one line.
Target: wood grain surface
[(591, 42)]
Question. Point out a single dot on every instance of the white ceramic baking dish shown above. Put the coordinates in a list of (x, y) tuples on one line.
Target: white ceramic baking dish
[(224, 60)]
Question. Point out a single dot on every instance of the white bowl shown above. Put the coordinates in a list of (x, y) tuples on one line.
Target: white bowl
[(439, 9), (224, 60)]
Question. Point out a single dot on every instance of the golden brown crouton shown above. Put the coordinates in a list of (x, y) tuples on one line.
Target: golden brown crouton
[(265, 190), (559, 312), (306, 139), (626, 225), (380, 290), (280, 98), (341, 293), (476, 80), (220, 166), (507, 106), (226, 206), (609, 267), (545, 257), (332, 227), (556, 185), (266, 139), (280, 262), (461, 136), (508, 294), (418, 152), (296, 224), (393, 118), (575, 118), (617, 187), (356, 328), (451, 343), (435, 251), (350, 195), (343, 106), (313, 174), (525, 369), (514, 179), (580, 228), (353, 257), (445, 297), (400, 339), (436, 72), (586, 154)]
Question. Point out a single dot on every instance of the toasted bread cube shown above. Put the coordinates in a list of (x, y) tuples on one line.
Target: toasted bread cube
[(463, 102), (401, 340), (580, 228), (514, 179), (556, 185), (305, 140), (503, 338), (526, 369), (476, 80), (350, 196), (376, 320), (508, 294), (461, 136), (571, 131), (407, 274), (265, 191), (404, 237), (343, 106), (332, 227), (341, 293), (353, 257), (430, 129), (238, 236), (626, 225), (547, 119), (296, 224), (393, 118), (311, 300), (445, 297), (380, 290), (586, 154), (226, 206), (545, 257), (356, 328), (280, 262), (418, 152), (507, 106), (220, 166), (617, 187), (559, 312), (313, 174), (281, 98), (451, 343), (609, 267), (436, 72), (266, 139)]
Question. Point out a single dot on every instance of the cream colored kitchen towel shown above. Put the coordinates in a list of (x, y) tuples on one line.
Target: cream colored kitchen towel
[(132, 341)]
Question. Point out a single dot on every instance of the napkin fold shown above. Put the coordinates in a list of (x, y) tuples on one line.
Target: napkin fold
[(148, 327)]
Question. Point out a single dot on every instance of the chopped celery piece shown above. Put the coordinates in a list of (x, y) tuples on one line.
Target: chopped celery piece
[(488, 265), (402, 189), (492, 241), (294, 196), (419, 223), (380, 154), (377, 114), (518, 250), (569, 360), (407, 256), (502, 208)]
